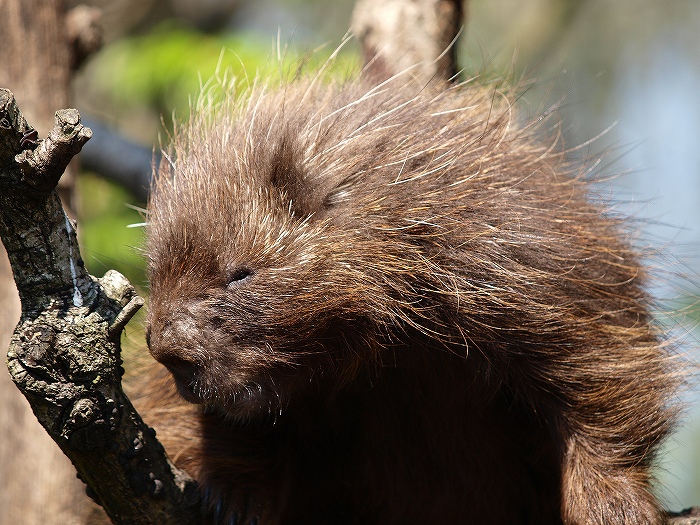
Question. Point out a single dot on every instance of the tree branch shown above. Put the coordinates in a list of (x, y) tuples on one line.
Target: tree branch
[(690, 516), (119, 159), (419, 37), (65, 353)]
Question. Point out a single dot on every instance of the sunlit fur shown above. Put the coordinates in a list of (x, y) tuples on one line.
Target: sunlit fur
[(397, 305)]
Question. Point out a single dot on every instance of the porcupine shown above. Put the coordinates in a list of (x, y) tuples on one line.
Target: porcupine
[(398, 304)]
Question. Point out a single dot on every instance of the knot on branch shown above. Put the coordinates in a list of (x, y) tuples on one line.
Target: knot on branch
[(120, 290), (62, 356), (90, 423)]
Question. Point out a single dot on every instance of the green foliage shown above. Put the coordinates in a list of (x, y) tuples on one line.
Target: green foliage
[(165, 68), (106, 240)]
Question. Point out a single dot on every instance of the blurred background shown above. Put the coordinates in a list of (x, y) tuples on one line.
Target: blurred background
[(623, 75)]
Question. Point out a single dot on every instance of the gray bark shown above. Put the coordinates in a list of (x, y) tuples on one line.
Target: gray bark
[(64, 354)]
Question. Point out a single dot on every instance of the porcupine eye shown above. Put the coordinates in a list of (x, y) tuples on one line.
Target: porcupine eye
[(238, 275)]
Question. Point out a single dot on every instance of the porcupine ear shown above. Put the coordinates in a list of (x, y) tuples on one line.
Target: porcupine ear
[(302, 193), (286, 177)]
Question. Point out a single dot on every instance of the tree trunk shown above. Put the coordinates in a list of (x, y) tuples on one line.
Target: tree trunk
[(35, 58), (413, 37)]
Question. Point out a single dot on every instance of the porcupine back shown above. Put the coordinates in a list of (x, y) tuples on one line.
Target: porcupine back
[(404, 292)]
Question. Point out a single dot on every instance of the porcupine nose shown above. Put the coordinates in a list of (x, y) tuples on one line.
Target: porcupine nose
[(168, 345)]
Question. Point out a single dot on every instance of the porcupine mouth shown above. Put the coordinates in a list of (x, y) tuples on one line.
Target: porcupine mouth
[(251, 401), (185, 376), (245, 401), (189, 393)]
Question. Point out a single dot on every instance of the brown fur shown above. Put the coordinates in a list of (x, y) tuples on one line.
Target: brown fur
[(396, 305)]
